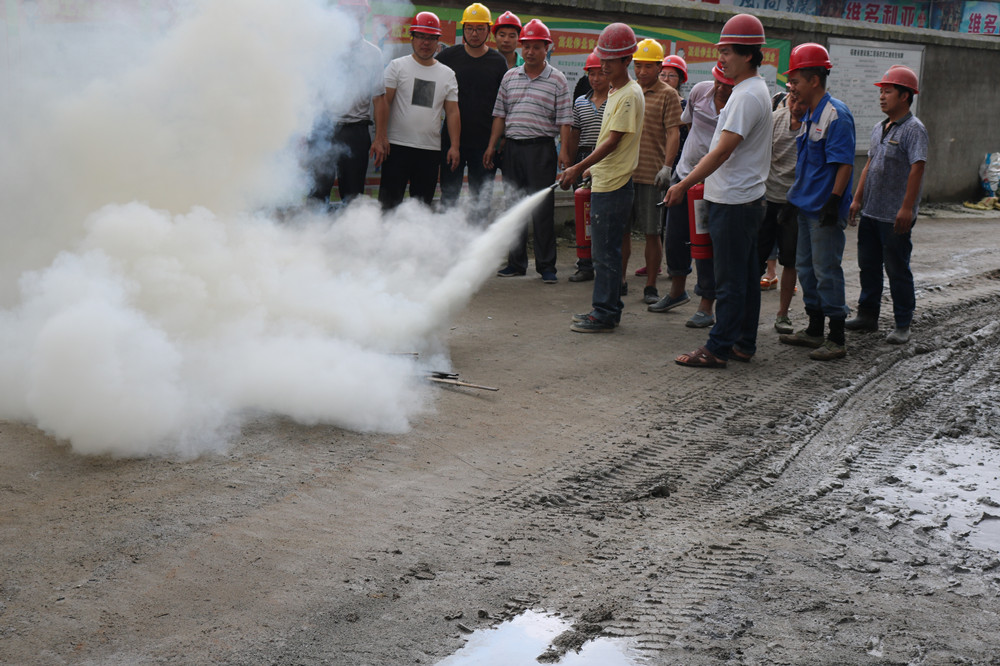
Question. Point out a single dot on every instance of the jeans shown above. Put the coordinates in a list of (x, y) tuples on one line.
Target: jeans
[(480, 183), (818, 262), (734, 230), (779, 226), (609, 215), (878, 246)]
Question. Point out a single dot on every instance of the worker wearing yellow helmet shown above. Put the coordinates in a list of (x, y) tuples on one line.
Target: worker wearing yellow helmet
[(660, 141), (479, 70)]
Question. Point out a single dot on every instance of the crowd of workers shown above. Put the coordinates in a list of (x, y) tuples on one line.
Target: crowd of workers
[(776, 171)]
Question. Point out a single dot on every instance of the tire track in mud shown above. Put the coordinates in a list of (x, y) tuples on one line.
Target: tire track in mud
[(781, 463)]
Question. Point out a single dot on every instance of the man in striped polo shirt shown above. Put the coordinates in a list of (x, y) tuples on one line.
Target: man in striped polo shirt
[(533, 107)]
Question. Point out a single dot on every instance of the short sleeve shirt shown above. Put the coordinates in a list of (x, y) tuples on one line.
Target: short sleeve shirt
[(740, 179), (825, 141), (624, 114), (701, 114), (663, 111), (895, 147), (587, 119), (366, 76), (534, 107), (421, 91), (784, 152), (478, 81)]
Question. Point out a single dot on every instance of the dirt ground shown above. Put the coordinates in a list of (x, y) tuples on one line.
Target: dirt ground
[(781, 512)]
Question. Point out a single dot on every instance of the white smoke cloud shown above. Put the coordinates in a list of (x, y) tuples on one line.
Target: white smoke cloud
[(148, 311)]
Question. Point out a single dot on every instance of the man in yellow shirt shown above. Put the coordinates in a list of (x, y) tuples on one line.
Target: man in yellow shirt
[(610, 168)]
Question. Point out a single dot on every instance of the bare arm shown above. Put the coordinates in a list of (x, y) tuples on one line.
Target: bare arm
[(859, 195), (496, 132), (728, 141), (672, 145), (454, 122), (574, 141), (565, 157), (603, 149), (380, 147), (904, 218)]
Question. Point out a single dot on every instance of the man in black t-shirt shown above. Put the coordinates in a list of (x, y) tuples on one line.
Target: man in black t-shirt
[(478, 69)]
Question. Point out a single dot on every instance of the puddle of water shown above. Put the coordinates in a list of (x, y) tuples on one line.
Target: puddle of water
[(520, 641), (958, 482)]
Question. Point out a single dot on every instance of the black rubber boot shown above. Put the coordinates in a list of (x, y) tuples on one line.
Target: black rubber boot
[(816, 319), (837, 330), (865, 320)]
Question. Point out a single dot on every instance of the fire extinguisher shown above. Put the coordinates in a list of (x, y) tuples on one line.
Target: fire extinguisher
[(701, 242), (581, 199)]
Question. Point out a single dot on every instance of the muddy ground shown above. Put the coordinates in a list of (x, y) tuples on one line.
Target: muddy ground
[(781, 512)]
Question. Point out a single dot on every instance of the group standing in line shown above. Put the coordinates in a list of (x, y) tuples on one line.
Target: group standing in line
[(775, 176)]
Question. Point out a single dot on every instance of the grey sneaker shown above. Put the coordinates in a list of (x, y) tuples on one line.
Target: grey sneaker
[(802, 339), (828, 351), (582, 316), (899, 337), (667, 303), (782, 324), (700, 319)]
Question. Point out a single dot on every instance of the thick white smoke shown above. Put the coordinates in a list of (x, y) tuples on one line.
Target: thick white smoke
[(148, 311)]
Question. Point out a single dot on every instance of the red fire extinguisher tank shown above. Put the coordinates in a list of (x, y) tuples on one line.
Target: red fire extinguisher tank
[(581, 199), (701, 242)]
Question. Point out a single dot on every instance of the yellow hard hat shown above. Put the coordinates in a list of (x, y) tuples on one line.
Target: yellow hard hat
[(477, 13), (649, 50)]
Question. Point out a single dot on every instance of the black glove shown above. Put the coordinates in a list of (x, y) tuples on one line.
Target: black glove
[(829, 214)]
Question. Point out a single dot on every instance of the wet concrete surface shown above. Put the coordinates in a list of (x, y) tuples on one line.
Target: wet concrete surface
[(779, 512)]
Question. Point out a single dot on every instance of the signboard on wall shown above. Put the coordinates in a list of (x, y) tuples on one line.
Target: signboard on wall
[(857, 65)]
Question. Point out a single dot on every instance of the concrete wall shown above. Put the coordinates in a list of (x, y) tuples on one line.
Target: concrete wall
[(959, 101)]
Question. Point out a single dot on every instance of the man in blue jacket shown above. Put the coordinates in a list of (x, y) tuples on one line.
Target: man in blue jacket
[(821, 193)]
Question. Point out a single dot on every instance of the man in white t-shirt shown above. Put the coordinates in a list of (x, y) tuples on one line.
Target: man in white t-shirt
[(417, 89), (734, 171)]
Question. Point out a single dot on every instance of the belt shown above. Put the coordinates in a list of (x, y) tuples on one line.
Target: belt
[(533, 140)]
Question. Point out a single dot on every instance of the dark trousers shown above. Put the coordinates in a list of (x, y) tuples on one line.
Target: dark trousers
[(413, 166), (609, 215), (345, 162), (734, 230), (527, 168), (480, 182), (677, 249), (781, 225), (879, 246)]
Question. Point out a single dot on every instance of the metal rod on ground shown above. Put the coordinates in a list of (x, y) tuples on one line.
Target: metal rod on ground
[(451, 381)]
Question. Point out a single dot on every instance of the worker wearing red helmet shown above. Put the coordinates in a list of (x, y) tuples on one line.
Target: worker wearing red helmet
[(588, 111), (734, 171), (478, 70), (506, 32), (821, 194), (610, 167), (533, 107), (417, 89), (887, 198), (701, 114)]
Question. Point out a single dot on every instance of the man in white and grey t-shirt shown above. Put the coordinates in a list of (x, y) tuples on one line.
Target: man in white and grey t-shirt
[(417, 89)]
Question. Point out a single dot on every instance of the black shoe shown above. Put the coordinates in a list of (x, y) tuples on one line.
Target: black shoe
[(650, 295), (509, 271), (582, 276), (591, 325)]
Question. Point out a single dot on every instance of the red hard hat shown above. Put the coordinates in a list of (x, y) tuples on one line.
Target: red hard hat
[(809, 55), (742, 29), (900, 75), (593, 60), (616, 41), (427, 23), (508, 19), (535, 30), (720, 77), (677, 63)]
